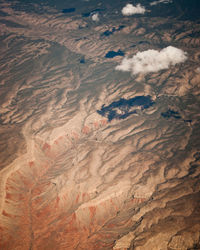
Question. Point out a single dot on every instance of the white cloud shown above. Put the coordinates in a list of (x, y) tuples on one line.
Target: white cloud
[(129, 9), (160, 1), (152, 60), (95, 17), (198, 70)]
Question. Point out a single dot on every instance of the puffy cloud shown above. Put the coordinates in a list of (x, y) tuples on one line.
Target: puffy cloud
[(129, 9), (152, 60), (95, 17), (160, 1)]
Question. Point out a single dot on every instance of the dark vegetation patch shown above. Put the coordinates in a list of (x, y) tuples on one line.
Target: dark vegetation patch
[(112, 53), (110, 32), (188, 120), (82, 60), (174, 114), (69, 10), (171, 113), (124, 107), (120, 27)]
